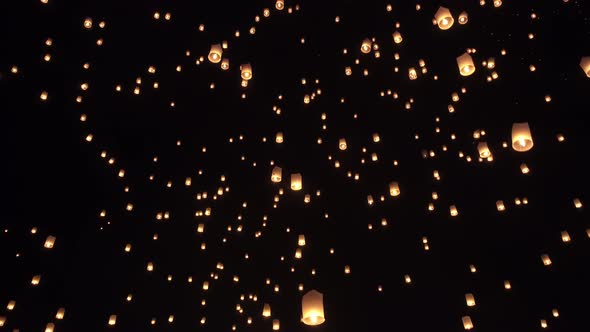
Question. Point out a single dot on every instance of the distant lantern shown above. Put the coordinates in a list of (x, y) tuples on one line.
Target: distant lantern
[(500, 205), (49, 327), (412, 74), (296, 183), (59, 315), (484, 151), (467, 323), (280, 4), (577, 203), (565, 237), (225, 64), (394, 188), (470, 299), (463, 18), (112, 320), (497, 3), (312, 307), (276, 175), (524, 168), (246, 71), (585, 64), (215, 53), (301, 240), (348, 71), (444, 19), (522, 140), (49, 242), (342, 144), (466, 65), (298, 253), (453, 210), (397, 37), (205, 285), (266, 310), (279, 137), (276, 325), (366, 45), (546, 260), (376, 138)]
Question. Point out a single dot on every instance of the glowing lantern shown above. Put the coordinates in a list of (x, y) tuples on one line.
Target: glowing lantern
[(280, 4), (467, 323), (266, 310), (465, 63), (497, 3), (35, 281), (394, 188), (60, 313), (585, 64), (301, 240), (276, 325), (500, 205), (215, 53), (112, 320), (366, 45), (49, 242), (376, 138), (453, 210), (279, 138), (522, 140), (276, 175), (2, 321), (49, 327), (443, 18), (577, 203), (225, 64), (546, 260), (296, 183), (397, 37), (312, 307), (10, 306), (201, 228), (463, 18), (412, 74), (507, 285), (205, 285), (565, 237), (298, 253), (484, 151), (470, 300), (150, 267), (342, 144), (246, 71), (524, 168)]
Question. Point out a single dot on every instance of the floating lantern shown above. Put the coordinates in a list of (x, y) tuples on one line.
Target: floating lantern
[(49, 242), (484, 151), (522, 140), (565, 237), (394, 188), (112, 320), (246, 72), (215, 53), (342, 144), (585, 64), (470, 300), (497, 3), (276, 325), (276, 175), (296, 183), (524, 168), (577, 203), (453, 210), (443, 18), (397, 37), (266, 310), (312, 307), (366, 46), (500, 205), (280, 4), (546, 260), (467, 323), (412, 74), (301, 240), (465, 63), (279, 137), (463, 18)]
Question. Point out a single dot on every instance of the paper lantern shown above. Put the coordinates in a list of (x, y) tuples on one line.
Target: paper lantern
[(443, 18), (470, 300), (565, 237), (497, 3), (376, 138), (225, 64), (484, 151), (246, 72), (507, 284), (397, 37), (279, 138), (366, 45), (585, 64), (546, 260), (301, 240), (298, 253), (2, 321), (266, 310), (276, 175), (11, 304), (201, 228), (412, 74), (453, 210), (342, 144), (500, 205), (296, 183), (522, 140), (215, 53), (60, 313), (467, 323), (49, 327), (280, 4), (112, 320), (577, 203), (312, 307), (150, 267), (543, 323), (394, 188), (49, 242), (35, 281), (463, 18), (466, 65), (524, 168), (276, 325)]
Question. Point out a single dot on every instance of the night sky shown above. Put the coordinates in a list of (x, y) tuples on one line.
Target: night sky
[(139, 171)]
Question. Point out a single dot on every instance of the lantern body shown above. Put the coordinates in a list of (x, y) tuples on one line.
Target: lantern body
[(312, 307), (276, 325), (500, 205), (280, 4), (225, 64), (397, 37), (366, 46), (49, 242), (277, 174), (301, 240), (112, 320), (466, 65), (463, 18), (453, 210), (484, 151), (266, 310), (444, 19), (279, 138), (412, 74), (394, 189), (467, 323), (585, 64), (470, 300), (522, 140), (342, 144), (246, 72), (296, 183), (215, 53)]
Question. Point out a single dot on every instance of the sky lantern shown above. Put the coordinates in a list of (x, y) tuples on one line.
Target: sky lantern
[(266, 310), (397, 37), (112, 320), (280, 4), (522, 140), (463, 18), (276, 175), (49, 242), (279, 137), (342, 144), (301, 240), (585, 64), (394, 189), (246, 72), (296, 183), (484, 151), (215, 53), (443, 18), (465, 64), (470, 300), (312, 307), (366, 45), (467, 323)]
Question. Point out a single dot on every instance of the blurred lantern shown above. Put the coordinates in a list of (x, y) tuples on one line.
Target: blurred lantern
[(500, 205), (49, 327), (366, 45), (524, 168), (522, 140), (465, 63), (463, 18), (215, 53), (280, 4), (394, 188), (296, 183), (397, 37), (342, 144), (301, 240), (585, 64), (112, 320), (276, 325), (276, 175), (49, 242), (225, 64), (565, 237), (266, 310), (246, 71), (453, 210), (412, 74), (546, 260), (470, 300), (312, 307), (467, 323), (298, 253), (484, 151), (497, 3), (279, 137), (443, 18), (577, 203)]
